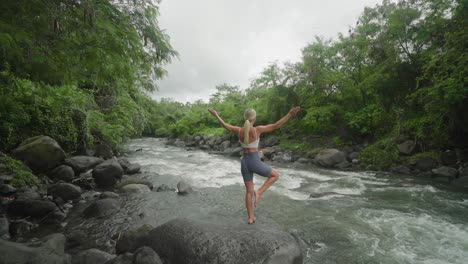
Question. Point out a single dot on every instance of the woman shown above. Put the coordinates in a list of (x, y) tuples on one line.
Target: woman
[(249, 137)]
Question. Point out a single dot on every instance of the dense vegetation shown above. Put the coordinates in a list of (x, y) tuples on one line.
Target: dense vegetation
[(78, 71)]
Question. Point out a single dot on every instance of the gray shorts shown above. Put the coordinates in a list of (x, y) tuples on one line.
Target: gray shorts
[(250, 164)]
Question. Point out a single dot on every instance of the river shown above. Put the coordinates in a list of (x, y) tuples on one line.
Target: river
[(372, 218)]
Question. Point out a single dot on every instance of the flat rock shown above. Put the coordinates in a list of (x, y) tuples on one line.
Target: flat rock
[(223, 239)]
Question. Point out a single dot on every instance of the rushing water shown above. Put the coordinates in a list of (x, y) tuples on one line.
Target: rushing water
[(370, 219)]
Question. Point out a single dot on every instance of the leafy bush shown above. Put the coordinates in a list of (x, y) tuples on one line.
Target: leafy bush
[(380, 155)]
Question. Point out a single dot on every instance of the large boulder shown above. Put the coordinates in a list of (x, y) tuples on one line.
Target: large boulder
[(92, 256), (223, 239), (445, 171), (32, 208), (62, 173), (40, 153), (448, 158), (49, 251), (426, 163), (107, 173), (102, 208), (66, 191), (330, 157), (82, 163), (407, 147)]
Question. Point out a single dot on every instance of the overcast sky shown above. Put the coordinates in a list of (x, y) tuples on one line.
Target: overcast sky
[(222, 41)]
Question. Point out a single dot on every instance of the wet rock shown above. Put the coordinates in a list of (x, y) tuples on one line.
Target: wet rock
[(133, 168), (81, 164), (134, 180), (4, 228), (111, 195), (282, 157), (343, 165), (426, 164), (135, 188), (66, 191), (223, 146), (62, 173), (132, 240), (233, 152), (270, 142), (20, 227), (92, 256), (32, 208), (323, 194), (407, 147), (28, 193), (448, 158), (303, 160), (183, 188), (6, 190), (40, 153), (107, 173), (54, 218), (104, 151), (102, 208), (126, 258), (49, 251), (329, 157), (146, 255), (401, 169), (164, 188), (76, 239), (221, 239), (445, 171), (124, 163)]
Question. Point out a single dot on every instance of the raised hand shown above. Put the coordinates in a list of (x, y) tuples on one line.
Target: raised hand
[(294, 110), (213, 112)]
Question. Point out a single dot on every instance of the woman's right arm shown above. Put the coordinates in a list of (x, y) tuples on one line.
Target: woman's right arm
[(229, 127), (279, 123)]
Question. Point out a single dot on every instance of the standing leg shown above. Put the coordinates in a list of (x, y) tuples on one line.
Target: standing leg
[(271, 179), (249, 189)]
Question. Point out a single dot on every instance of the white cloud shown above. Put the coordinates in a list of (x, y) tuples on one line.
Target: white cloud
[(232, 41)]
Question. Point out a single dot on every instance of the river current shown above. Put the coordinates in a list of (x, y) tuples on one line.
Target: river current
[(364, 217)]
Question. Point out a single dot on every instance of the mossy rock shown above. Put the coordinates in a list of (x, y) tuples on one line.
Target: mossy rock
[(22, 175)]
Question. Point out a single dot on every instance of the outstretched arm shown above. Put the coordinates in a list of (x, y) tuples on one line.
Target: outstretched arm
[(279, 123), (229, 127)]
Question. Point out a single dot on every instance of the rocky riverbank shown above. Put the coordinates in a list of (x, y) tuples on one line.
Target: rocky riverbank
[(451, 167), (49, 186)]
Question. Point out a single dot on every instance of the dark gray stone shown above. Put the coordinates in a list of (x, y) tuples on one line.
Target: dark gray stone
[(183, 188), (146, 255), (4, 228), (164, 188), (102, 208), (28, 193), (222, 239), (133, 168), (76, 239), (223, 146), (463, 172), (401, 169), (66, 191), (282, 157), (92, 256), (107, 173), (40, 153), (126, 258), (461, 183), (270, 142), (49, 251), (135, 180), (343, 165), (62, 173), (112, 195), (33, 208), (20, 227), (448, 157), (6, 178), (124, 163), (407, 147), (445, 171), (426, 163), (104, 151), (6, 189), (132, 240), (135, 188), (330, 157), (85, 181), (353, 155), (81, 164)]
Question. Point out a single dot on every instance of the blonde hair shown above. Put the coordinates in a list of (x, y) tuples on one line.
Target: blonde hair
[(249, 114)]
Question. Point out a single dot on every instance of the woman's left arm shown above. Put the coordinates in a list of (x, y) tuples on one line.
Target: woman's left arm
[(229, 127)]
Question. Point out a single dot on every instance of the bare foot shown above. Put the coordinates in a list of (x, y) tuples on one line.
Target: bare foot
[(257, 198), (251, 221)]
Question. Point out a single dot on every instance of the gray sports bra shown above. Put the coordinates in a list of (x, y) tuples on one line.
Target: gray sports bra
[(250, 145)]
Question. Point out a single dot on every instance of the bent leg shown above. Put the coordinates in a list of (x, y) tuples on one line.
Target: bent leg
[(272, 178), (249, 190)]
